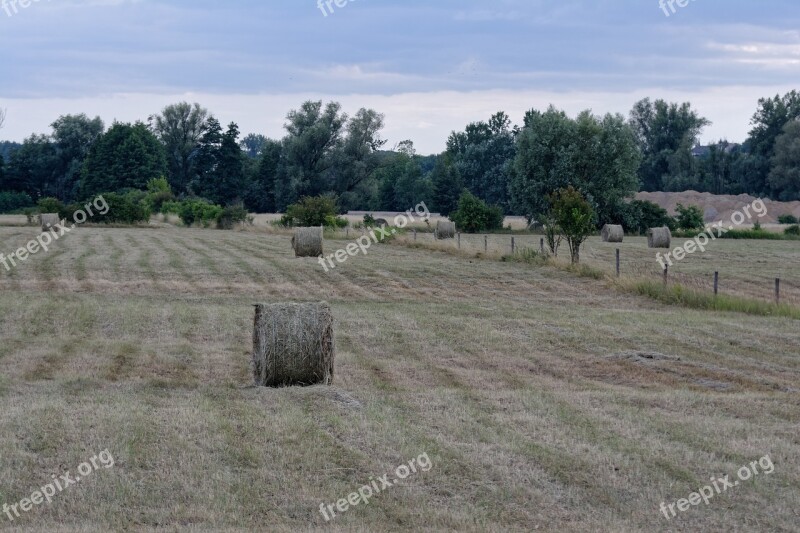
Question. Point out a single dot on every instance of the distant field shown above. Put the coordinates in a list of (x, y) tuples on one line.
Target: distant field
[(544, 401)]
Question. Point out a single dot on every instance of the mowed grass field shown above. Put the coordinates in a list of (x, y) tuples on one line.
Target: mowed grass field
[(544, 401)]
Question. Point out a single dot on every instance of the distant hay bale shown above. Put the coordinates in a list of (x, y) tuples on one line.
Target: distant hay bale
[(293, 344), (49, 221), (612, 233), (445, 230), (381, 222), (659, 237), (307, 242)]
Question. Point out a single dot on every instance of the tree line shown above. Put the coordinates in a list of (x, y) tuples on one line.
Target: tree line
[(324, 151)]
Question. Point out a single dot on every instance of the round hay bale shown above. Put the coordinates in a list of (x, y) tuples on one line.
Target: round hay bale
[(612, 233), (445, 230), (293, 344), (307, 242), (659, 237), (381, 222), (49, 221)]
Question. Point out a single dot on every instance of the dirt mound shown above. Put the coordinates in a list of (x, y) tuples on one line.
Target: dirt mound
[(719, 207)]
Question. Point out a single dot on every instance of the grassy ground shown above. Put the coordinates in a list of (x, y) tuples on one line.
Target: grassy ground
[(544, 401)]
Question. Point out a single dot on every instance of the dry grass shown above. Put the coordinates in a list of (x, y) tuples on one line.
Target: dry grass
[(533, 391)]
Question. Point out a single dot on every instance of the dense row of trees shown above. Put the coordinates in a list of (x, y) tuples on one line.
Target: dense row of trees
[(606, 158)]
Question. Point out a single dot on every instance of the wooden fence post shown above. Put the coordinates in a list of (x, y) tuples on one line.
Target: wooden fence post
[(617, 262), (513, 246), (415, 235), (716, 283), (666, 275), (459, 241), (541, 244), (486, 243), (777, 291)]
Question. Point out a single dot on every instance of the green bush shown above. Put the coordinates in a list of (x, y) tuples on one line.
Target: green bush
[(336, 222), (574, 217), (788, 219), (126, 208), (230, 216), (197, 210), (369, 221), (690, 217), (792, 230), (50, 205), (158, 193), (311, 211), (14, 201), (638, 216), (473, 215)]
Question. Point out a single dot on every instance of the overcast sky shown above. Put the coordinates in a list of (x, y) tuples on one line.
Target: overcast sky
[(430, 66)]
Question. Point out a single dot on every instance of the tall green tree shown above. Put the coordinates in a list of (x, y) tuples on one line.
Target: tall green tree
[(784, 178), (447, 185), (483, 155), (252, 144), (219, 165), (665, 133), (597, 156), (126, 156), (769, 121), (261, 190), (179, 127), (73, 136), (32, 168)]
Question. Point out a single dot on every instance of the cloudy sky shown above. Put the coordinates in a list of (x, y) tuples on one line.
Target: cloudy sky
[(431, 66)]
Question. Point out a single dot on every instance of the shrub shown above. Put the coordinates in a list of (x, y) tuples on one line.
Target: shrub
[(369, 221), (574, 216), (690, 217), (638, 216), (230, 216), (14, 201), (792, 230), (311, 211), (158, 193), (122, 209), (336, 222), (788, 219), (473, 215), (50, 205), (195, 210)]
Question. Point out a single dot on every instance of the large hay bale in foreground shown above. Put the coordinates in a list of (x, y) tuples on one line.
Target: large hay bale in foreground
[(659, 237), (293, 344), (612, 233), (445, 230), (49, 221), (307, 242)]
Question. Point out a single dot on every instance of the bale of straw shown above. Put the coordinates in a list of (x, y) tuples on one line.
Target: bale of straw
[(612, 233), (381, 222), (659, 237), (445, 230), (307, 242), (293, 344), (49, 221)]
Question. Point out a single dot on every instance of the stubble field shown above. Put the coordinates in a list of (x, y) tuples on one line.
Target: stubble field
[(544, 401)]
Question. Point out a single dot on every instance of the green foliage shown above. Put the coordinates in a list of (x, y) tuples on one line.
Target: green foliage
[(369, 221), (126, 208), (792, 230), (638, 216), (159, 192), (690, 217), (597, 155), (788, 219), (50, 205), (574, 216), (14, 201), (198, 210), (126, 156), (230, 216), (336, 222), (751, 234), (473, 215), (312, 211)]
